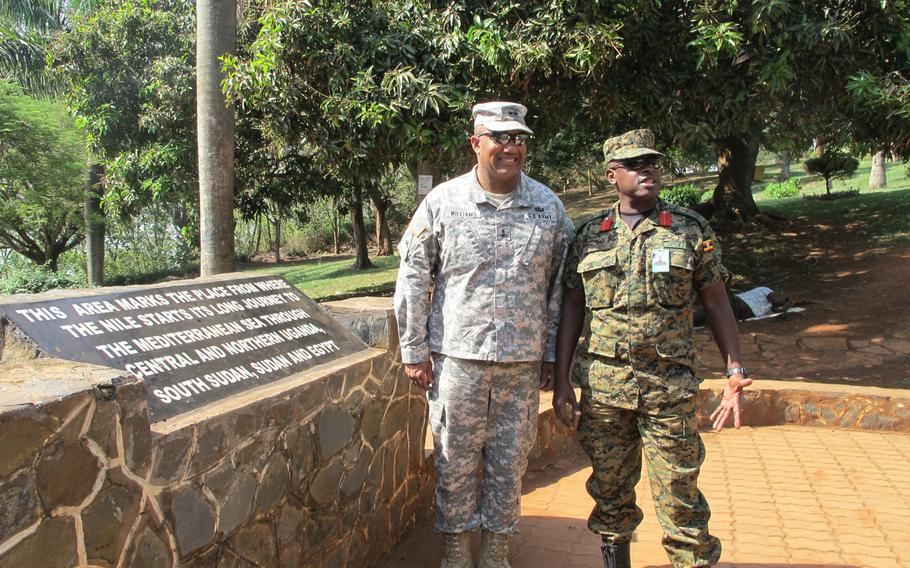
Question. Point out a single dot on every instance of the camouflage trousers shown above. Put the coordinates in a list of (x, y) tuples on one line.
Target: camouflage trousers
[(485, 412), (664, 425)]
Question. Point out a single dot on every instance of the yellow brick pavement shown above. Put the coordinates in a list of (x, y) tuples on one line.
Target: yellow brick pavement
[(780, 496)]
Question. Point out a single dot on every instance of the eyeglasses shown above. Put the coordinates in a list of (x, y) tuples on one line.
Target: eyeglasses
[(503, 138), (638, 164)]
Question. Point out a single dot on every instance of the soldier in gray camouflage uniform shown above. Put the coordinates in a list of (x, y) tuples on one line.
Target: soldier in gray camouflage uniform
[(631, 279), (491, 244)]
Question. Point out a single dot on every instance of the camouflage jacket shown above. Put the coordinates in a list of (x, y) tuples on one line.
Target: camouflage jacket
[(640, 285), (496, 273)]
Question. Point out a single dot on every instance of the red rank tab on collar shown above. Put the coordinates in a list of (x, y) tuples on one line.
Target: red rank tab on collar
[(606, 224), (665, 219)]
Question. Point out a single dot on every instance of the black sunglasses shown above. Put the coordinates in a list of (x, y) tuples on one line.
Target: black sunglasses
[(638, 164), (503, 138)]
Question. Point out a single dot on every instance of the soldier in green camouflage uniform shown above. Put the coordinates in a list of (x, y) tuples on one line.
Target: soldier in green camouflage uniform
[(491, 243), (631, 279)]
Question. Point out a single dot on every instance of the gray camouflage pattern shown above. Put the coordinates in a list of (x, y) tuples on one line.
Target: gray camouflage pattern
[(481, 412), (636, 368), (495, 274)]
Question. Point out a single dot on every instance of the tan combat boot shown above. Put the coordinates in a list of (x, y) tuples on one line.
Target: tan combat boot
[(457, 552), (494, 550)]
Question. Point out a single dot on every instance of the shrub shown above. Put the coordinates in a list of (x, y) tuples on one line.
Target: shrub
[(685, 195), (782, 189), (831, 165), (32, 279)]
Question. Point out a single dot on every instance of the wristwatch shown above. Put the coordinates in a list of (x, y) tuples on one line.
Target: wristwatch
[(734, 370)]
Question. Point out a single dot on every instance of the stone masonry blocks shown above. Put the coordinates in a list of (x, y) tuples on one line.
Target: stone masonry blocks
[(328, 471)]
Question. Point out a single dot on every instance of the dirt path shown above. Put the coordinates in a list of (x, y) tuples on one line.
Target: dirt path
[(855, 327)]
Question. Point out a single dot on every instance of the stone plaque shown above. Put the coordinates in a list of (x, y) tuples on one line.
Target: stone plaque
[(192, 344)]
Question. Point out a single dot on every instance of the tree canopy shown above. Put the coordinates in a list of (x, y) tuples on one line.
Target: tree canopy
[(356, 87), (42, 161), (728, 73)]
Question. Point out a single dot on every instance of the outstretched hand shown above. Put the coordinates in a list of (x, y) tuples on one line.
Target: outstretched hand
[(729, 404), (421, 374)]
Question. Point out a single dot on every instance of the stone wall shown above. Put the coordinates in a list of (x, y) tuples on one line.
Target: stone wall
[(770, 403), (324, 468)]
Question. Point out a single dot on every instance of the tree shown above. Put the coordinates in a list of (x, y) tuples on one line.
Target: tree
[(877, 177), (216, 29), (26, 29), (831, 166), (784, 158), (356, 84), (130, 81), (41, 165), (715, 72)]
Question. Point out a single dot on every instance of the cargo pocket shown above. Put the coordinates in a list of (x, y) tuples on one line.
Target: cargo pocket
[(597, 269), (678, 366), (674, 288)]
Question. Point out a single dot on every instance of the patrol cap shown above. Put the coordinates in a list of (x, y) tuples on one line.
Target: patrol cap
[(632, 144), (501, 117)]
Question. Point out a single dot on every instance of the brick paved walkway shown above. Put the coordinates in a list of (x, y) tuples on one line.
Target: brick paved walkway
[(780, 496)]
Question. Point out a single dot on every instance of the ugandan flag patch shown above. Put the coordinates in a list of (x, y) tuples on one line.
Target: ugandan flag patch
[(708, 246)]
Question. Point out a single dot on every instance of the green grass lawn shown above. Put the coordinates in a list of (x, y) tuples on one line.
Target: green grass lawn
[(331, 277), (896, 174)]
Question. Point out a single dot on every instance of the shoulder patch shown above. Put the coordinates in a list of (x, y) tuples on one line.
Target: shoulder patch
[(590, 220), (417, 226)]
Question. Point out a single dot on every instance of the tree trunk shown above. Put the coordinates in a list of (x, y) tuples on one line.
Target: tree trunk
[(819, 149), (784, 174), (732, 199), (94, 226), (359, 230), (383, 234), (216, 29), (336, 229), (257, 232), (877, 179), (277, 239), (828, 186)]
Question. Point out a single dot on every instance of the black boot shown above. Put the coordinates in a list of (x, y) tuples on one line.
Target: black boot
[(616, 554)]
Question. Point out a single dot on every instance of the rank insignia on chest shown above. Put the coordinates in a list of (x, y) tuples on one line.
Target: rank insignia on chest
[(708, 246), (665, 219), (606, 224)]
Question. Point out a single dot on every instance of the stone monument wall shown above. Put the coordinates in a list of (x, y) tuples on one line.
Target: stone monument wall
[(322, 468)]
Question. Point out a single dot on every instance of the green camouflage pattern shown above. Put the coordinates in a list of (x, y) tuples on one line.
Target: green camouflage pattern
[(667, 430), (481, 412), (627, 305), (632, 144), (636, 368)]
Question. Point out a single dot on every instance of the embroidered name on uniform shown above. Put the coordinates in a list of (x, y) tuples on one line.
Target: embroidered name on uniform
[(464, 214), (545, 216)]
